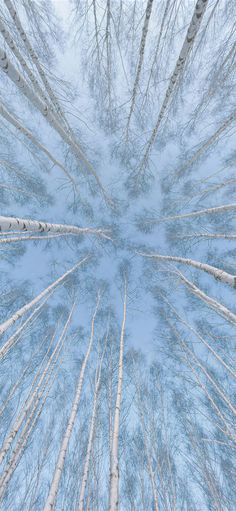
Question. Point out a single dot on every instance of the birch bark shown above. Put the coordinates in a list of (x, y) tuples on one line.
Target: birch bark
[(22, 224), (33, 395), (51, 500), (114, 469), (90, 441), (218, 274), (18, 314), (194, 26)]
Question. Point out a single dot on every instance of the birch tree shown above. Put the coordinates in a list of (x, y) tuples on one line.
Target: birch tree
[(193, 29), (90, 438), (23, 310), (51, 499), (114, 467), (216, 272), (140, 61), (21, 224)]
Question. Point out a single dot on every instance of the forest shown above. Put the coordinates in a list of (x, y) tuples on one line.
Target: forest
[(118, 333)]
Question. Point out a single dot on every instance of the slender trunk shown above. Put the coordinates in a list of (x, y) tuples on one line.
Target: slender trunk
[(19, 449), (26, 238), (14, 338), (218, 274), (114, 469), (157, 46), (190, 327), (35, 60), (90, 441), (201, 212), (12, 45), (22, 311), (216, 306), (209, 236), (140, 61), (23, 224), (208, 143), (33, 395), (149, 461), (194, 26), (12, 120), (210, 379), (23, 86), (51, 500), (227, 431), (27, 369)]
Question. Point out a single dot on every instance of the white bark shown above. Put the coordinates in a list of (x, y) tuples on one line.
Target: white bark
[(35, 60), (30, 237), (19, 449), (114, 469), (196, 333), (33, 395), (12, 120), (209, 236), (194, 26), (51, 500), (146, 446), (23, 310), (201, 212), (212, 381), (208, 142), (21, 84), (227, 430), (15, 337), (90, 442), (140, 61), (12, 45), (23, 224), (218, 274), (216, 306)]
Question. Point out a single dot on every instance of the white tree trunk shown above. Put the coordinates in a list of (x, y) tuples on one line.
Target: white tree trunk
[(114, 469), (201, 212), (12, 45), (209, 236), (216, 306), (90, 442), (35, 60), (140, 61), (18, 314), (22, 224), (15, 337), (19, 448), (196, 333), (23, 86), (209, 377), (12, 120), (33, 395), (51, 500), (208, 143), (218, 274), (10, 239), (194, 26)]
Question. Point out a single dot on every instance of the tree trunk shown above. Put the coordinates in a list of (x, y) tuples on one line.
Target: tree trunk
[(218, 274), (32, 397), (90, 441), (22, 224), (18, 314), (140, 61), (12, 120), (114, 469), (194, 26), (51, 500), (216, 306)]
